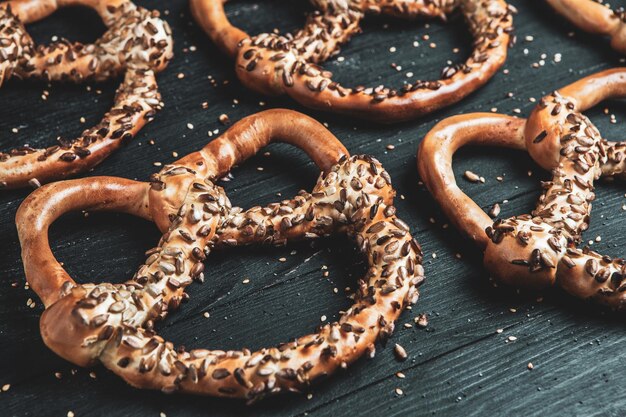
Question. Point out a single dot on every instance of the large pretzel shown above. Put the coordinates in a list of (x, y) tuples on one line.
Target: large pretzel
[(535, 251), (112, 323), (276, 64), (595, 17), (137, 43)]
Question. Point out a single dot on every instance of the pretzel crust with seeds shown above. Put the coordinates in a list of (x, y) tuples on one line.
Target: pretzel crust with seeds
[(538, 250), (289, 64), (137, 43), (113, 323), (594, 17)]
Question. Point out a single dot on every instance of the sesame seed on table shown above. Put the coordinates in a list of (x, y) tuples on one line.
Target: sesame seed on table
[(466, 347)]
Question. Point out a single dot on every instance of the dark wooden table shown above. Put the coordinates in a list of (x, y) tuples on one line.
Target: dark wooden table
[(466, 362)]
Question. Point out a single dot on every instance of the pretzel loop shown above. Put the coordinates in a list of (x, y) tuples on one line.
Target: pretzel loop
[(435, 164), (275, 64), (113, 323), (44, 273), (241, 141), (137, 43), (594, 17), (535, 251)]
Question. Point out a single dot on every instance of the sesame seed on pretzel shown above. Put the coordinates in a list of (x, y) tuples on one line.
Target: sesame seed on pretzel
[(539, 249), (113, 323), (289, 64), (594, 17), (137, 43)]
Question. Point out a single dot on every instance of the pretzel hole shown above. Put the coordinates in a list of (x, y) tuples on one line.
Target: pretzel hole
[(75, 23), (386, 48), (607, 217), (101, 247), (38, 113), (66, 111), (264, 178), (281, 301), (286, 16), (520, 189), (353, 65)]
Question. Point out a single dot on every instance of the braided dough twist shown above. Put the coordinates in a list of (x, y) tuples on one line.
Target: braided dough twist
[(113, 323), (289, 64), (137, 44), (594, 17), (536, 250)]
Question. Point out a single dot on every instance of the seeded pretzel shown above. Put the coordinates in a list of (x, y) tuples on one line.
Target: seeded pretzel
[(595, 17), (137, 44), (535, 251), (289, 64), (113, 323)]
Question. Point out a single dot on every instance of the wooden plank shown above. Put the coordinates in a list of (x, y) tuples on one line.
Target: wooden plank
[(574, 346)]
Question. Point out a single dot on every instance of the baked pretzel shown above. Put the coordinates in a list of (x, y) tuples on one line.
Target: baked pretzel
[(289, 64), (594, 17), (113, 323), (137, 44), (538, 249)]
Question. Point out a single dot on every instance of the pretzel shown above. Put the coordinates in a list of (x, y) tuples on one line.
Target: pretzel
[(538, 250), (275, 64), (137, 44), (594, 17), (113, 323)]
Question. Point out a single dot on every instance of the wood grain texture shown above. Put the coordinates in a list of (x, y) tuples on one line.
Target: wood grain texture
[(458, 365)]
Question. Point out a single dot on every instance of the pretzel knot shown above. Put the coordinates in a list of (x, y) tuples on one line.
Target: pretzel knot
[(538, 249), (594, 17), (289, 64), (113, 323), (137, 43)]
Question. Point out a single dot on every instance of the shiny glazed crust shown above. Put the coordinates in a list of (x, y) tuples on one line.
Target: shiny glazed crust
[(275, 64), (538, 249), (113, 323), (137, 44), (593, 17)]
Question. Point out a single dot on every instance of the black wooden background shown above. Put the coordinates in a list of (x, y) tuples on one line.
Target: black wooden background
[(466, 362)]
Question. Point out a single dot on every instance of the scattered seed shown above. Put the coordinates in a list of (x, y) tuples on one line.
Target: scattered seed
[(422, 320), (401, 354), (224, 119), (495, 210), (471, 176)]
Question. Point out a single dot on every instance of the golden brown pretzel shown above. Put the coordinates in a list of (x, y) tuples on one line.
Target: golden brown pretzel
[(112, 323), (137, 43), (594, 17), (275, 64), (535, 251)]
